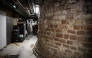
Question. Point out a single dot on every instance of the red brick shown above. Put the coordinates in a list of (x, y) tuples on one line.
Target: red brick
[(81, 33), (82, 39), (52, 30), (70, 42), (58, 30), (87, 45), (62, 26), (73, 37), (49, 56), (77, 27), (66, 36), (64, 21), (48, 29), (67, 46), (68, 51), (58, 43), (59, 35), (81, 49), (48, 33), (55, 26), (51, 38), (72, 31), (56, 39), (51, 26), (84, 27), (73, 48)]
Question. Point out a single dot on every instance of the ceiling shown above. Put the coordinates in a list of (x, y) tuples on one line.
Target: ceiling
[(24, 8)]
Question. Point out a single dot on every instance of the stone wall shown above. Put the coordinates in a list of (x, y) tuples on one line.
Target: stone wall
[(65, 29)]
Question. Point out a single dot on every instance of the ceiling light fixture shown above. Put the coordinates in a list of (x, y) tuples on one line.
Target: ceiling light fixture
[(14, 6)]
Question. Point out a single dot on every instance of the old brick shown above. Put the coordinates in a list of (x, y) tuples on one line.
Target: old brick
[(48, 33), (84, 27), (58, 43), (89, 33), (73, 48), (47, 29), (53, 22), (72, 31), (55, 26), (90, 27), (58, 22), (62, 26), (82, 39), (57, 13), (73, 37), (89, 50), (49, 56), (77, 55), (77, 27), (85, 39), (71, 21), (56, 39), (87, 55), (89, 39), (59, 35), (70, 42), (52, 30), (64, 21), (62, 40), (81, 49), (65, 45), (80, 21), (66, 36), (88, 21), (58, 30), (51, 26), (55, 17), (81, 32), (70, 27), (68, 51), (61, 17), (64, 31), (72, 1), (87, 45)]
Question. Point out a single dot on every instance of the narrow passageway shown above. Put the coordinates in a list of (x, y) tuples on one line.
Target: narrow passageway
[(24, 49)]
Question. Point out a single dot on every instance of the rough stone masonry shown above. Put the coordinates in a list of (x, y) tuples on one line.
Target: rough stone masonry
[(65, 29)]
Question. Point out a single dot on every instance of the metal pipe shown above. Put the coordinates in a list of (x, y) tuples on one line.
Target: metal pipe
[(31, 6), (21, 6)]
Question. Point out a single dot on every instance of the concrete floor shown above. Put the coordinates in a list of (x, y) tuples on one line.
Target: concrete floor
[(24, 49)]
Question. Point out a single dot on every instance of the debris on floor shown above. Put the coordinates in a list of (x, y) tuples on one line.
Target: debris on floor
[(24, 49)]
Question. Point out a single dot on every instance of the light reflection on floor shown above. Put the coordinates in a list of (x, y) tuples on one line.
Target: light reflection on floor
[(24, 49)]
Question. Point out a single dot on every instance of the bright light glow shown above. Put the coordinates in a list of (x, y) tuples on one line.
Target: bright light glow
[(14, 6), (37, 9)]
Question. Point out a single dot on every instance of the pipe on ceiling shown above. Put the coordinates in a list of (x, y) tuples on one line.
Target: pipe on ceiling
[(31, 7), (20, 5), (16, 9)]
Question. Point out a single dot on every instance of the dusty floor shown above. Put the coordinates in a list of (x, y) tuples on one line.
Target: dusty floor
[(24, 49)]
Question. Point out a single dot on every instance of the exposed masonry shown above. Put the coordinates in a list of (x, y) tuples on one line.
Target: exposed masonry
[(65, 29)]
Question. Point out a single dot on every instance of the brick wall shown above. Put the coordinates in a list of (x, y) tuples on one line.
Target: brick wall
[(65, 29)]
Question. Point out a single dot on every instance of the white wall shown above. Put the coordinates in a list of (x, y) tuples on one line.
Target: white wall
[(2, 29)]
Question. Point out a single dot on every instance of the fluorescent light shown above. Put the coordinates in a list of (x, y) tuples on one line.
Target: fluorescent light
[(14, 6), (36, 9)]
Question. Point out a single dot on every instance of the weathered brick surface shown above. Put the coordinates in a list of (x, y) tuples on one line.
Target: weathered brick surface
[(65, 29), (77, 27)]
